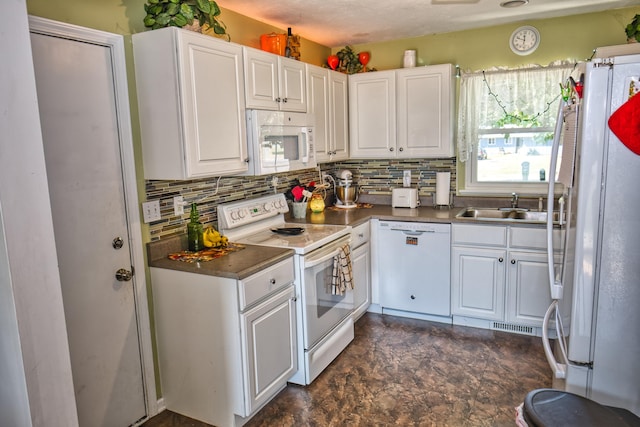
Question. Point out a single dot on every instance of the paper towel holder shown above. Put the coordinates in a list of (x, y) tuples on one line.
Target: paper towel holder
[(437, 206)]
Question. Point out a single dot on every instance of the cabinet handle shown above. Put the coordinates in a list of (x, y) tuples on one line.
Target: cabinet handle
[(513, 261), (272, 281), (278, 99), (500, 259), (284, 99), (294, 299), (246, 160), (391, 149), (400, 149), (413, 297), (361, 235)]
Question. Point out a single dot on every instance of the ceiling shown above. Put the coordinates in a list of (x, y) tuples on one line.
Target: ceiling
[(336, 23)]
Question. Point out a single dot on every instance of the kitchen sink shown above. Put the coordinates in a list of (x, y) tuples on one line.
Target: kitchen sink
[(506, 214)]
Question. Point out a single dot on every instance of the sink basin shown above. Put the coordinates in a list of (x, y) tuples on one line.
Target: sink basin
[(501, 214)]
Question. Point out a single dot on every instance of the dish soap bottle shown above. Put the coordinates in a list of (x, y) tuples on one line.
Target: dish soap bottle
[(194, 230)]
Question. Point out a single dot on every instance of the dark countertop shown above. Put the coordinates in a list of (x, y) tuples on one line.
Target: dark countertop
[(252, 259), (235, 265), (357, 216)]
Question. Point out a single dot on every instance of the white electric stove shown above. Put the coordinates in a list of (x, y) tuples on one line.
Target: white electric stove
[(324, 322)]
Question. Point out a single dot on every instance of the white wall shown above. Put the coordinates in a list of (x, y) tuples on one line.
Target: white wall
[(36, 387)]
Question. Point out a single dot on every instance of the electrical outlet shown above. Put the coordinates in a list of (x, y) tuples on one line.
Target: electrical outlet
[(151, 211), (178, 205)]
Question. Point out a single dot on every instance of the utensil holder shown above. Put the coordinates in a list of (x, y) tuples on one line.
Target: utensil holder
[(299, 209)]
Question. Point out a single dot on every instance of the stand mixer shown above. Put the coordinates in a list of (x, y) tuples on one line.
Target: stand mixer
[(346, 190)]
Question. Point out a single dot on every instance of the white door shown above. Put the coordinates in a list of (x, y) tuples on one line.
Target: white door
[(76, 97)]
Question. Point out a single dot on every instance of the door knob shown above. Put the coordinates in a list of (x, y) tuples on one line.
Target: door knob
[(500, 259), (124, 275)]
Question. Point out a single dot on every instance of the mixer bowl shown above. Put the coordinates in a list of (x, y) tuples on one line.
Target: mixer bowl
[(347, 195)]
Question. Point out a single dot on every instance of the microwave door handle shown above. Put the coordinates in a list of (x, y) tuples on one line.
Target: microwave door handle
[(305, 158)]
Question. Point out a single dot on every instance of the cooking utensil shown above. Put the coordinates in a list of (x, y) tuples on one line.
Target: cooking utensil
[(292, 231)]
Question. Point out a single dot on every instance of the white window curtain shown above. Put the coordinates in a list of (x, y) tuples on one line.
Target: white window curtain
[(485, 96)]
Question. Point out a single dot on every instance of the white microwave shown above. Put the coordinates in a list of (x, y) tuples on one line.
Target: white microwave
[(279, 142)]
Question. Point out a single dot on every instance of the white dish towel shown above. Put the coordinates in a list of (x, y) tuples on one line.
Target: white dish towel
[(342, 274)]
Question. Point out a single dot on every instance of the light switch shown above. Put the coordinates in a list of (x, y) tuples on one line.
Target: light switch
[(151, 211)]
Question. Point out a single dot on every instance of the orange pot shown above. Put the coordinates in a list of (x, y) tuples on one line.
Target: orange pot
[(274, 43)]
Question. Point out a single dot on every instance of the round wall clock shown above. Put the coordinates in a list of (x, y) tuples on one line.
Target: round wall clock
[(524, 40)]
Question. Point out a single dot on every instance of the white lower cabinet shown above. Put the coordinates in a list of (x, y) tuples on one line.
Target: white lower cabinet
[(361, 268), (499, 276), (478, 281), (225, 346)]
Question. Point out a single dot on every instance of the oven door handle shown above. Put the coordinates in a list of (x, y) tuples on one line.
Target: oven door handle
[(313, 261), (327, 252)]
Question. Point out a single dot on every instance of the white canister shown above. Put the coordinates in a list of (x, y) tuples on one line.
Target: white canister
[(409, 58)]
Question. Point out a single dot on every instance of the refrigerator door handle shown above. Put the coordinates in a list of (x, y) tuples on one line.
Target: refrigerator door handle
[(559, 369), (555, 285)]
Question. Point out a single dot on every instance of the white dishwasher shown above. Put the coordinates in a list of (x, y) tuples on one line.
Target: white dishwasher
[(414, 261)]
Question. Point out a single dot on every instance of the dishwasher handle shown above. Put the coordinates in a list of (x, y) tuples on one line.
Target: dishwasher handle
[(413, 232)]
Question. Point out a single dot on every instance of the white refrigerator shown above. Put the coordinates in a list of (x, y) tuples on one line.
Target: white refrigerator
[(602, 359)]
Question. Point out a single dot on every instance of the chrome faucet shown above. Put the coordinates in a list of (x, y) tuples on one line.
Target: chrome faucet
[(514, 201)]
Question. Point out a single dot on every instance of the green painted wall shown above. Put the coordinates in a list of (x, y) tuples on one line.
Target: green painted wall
[(572, 37)]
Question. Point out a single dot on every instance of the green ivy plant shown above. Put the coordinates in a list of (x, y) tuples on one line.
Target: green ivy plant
[(179, 13), (633, 29)]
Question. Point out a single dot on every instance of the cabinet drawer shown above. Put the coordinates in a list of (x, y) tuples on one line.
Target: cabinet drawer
[(360, 235), (485, 235), (258, 286), (534, 238)]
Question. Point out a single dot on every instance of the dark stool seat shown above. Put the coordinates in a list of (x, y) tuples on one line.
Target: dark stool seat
[(551, 408)]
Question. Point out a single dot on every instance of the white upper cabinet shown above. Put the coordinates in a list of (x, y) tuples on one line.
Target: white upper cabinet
[(406, 113), (425, 111), (327, 95), (274, 82), (191, 102), (372, 115)]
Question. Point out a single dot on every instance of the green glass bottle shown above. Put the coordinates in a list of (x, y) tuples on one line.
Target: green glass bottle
[(195, 230)]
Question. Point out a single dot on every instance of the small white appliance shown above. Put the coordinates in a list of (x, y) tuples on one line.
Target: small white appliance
[(279, 142), (404, 198), (324, 321), (600, 358)]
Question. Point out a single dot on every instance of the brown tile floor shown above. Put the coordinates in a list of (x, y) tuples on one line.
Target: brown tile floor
[(409, 372)]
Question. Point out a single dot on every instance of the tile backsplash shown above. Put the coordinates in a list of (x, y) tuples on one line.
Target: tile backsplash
[(373, 176)]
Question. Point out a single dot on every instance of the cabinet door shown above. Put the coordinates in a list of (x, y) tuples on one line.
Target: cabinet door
[(213, 90), (372, 114), (318, 100), (478, 282), (261, 79), (269, 353), (191, 102), (293, 88), (425, 111), (361, 265), (528, 294), (339, 110)]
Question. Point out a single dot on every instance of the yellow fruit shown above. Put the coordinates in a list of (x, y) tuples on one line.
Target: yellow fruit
[(213, 239)]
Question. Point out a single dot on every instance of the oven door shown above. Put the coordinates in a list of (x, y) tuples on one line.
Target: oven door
[(322, 310)]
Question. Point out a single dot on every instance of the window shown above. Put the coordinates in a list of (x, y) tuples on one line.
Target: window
[(505, 127)]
